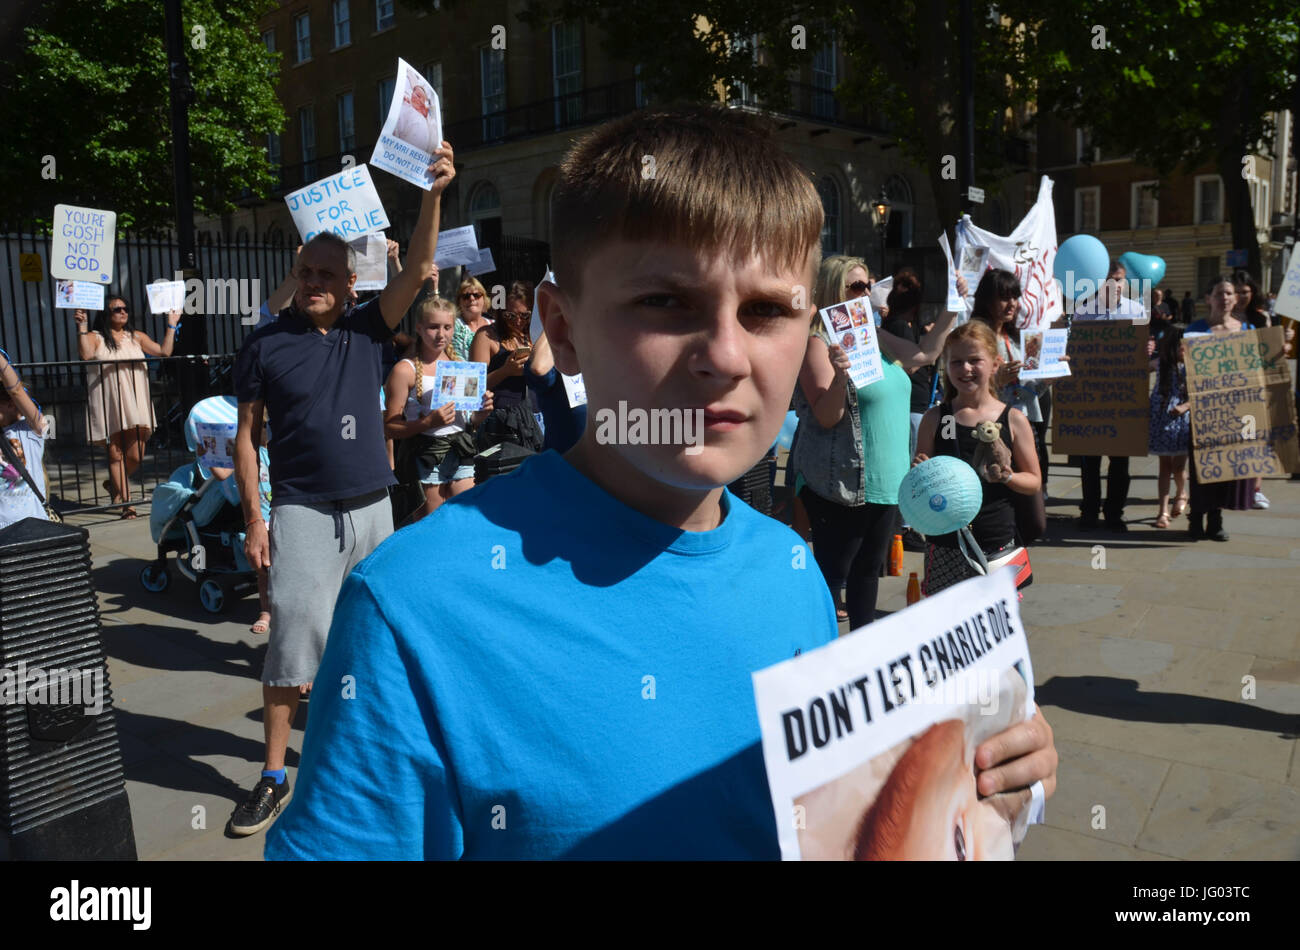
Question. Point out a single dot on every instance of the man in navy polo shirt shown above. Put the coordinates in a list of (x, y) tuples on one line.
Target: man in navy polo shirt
[(316, 370)]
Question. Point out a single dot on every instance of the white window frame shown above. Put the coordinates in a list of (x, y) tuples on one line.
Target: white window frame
[(1201, 181), (343, 26), (1260, 190), (302, 36), (1079, 224), (494, 102), (307, 140), (380, 26), (1135, 193), (268, 40), (568, 110), (347, 121), (743, 44), (1080, 146)]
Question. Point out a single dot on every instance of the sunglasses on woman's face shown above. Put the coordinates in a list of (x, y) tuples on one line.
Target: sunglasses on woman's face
[(469, 295), (859, 287), (117, 309)]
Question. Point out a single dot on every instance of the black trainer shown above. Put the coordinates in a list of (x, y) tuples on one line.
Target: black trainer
[(1116, 525), (261, 807)]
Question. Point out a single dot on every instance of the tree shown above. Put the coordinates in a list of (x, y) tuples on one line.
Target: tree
[(1173, 84), (90, 108), (903, 59)]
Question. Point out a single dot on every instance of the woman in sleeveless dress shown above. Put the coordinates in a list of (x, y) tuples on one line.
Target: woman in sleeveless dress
[(119, 407)]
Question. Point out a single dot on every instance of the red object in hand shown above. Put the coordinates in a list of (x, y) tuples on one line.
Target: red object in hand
[(896, 557)]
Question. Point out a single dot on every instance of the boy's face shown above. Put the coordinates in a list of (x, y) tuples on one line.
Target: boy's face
[(663, 326)]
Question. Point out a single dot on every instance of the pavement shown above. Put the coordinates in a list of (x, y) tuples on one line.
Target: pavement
[(1169, 670)]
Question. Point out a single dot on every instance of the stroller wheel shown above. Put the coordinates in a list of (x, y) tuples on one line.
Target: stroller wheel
[(154, 577), (212, 596)]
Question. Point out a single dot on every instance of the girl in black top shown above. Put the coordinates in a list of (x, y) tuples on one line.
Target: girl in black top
[(948, 429)]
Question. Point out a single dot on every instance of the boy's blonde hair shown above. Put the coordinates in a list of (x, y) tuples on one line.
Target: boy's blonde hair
[(428, 307), (704, 176)]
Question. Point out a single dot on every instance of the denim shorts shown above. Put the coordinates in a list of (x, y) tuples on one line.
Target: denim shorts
[(450, 469)]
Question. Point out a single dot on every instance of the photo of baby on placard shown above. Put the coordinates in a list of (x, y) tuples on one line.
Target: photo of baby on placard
[(416, 123), (847, 342), (918, 801), (449, 386), (1033, 348), (840, 320), (471, 387), (858, 311)]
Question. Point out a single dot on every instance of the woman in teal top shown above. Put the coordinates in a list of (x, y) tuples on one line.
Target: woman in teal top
[(853, 445)]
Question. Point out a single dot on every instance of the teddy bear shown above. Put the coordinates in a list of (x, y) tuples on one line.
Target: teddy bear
[(992, 459)]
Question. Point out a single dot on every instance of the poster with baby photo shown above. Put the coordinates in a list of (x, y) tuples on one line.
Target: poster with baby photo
[(78, 295), (461, 384), (869, 741), (1043, 350), (850, 326), (412, 130), (216, 443), (165, 295)]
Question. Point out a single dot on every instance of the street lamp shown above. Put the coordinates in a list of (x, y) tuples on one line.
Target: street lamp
[(880, 214)]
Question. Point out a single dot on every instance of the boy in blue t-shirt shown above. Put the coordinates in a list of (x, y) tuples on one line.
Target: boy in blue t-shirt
[(593, 698)]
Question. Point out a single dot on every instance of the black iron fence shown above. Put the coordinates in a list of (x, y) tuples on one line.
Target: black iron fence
[(92, 403), (235, 276)]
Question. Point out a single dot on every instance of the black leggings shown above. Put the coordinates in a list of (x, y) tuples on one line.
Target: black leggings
[(851, 545)]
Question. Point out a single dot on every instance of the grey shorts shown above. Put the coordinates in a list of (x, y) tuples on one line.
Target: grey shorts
[(307, 571)]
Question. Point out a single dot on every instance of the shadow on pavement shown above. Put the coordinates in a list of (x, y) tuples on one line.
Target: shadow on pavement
[(1117, 698)]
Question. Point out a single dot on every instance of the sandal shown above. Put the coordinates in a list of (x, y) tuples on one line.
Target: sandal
[(1180, 505), (128, 513), (1162, 521), (261, 626), (841, 614)]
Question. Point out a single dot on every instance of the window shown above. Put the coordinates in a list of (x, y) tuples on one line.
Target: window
[(742, 49), (829, 192), (901, 212), (492, 67), (1144, 207), (1087, 210), (384, 15), (386, 87), (347, 125), (307, 136), (641, 99), (433, 73), (1084, 151), (268, 40), (1209, 199), (485, 215), (273, 157), (342, 24), (1207, 268), (302, 35), (1259, 202), (824, 80), (566, 67)]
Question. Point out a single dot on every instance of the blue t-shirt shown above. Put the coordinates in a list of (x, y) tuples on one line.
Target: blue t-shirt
[(17, 500), (563, 424), (593, 701), (319, 389)]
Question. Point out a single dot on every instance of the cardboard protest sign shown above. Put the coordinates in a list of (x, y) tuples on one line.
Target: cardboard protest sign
[(956, 302), (850, 326), (1288, 295), (372, 261), (1042, 352), (1243, 408), (1103, 407), (165, 295), (345, 203), (412, 130), (460, 383), (81, 247), (1029, 252), (216, 443), (78, 295), (456, 246), (869, 741), (484, 264)]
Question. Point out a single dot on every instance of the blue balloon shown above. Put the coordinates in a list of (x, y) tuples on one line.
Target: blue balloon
[(1143, 267), (940, 496), (1081, 265)]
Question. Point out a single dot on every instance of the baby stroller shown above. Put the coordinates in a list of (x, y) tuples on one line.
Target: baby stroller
[(198, 517)]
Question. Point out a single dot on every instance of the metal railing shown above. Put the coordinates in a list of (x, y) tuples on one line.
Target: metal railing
[(103, 395)]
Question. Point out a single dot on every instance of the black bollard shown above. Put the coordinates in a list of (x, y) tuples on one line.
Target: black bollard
[(62, 787)]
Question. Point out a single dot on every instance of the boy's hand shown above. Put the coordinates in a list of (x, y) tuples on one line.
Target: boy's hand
[(443, 168), (1016, 758)]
